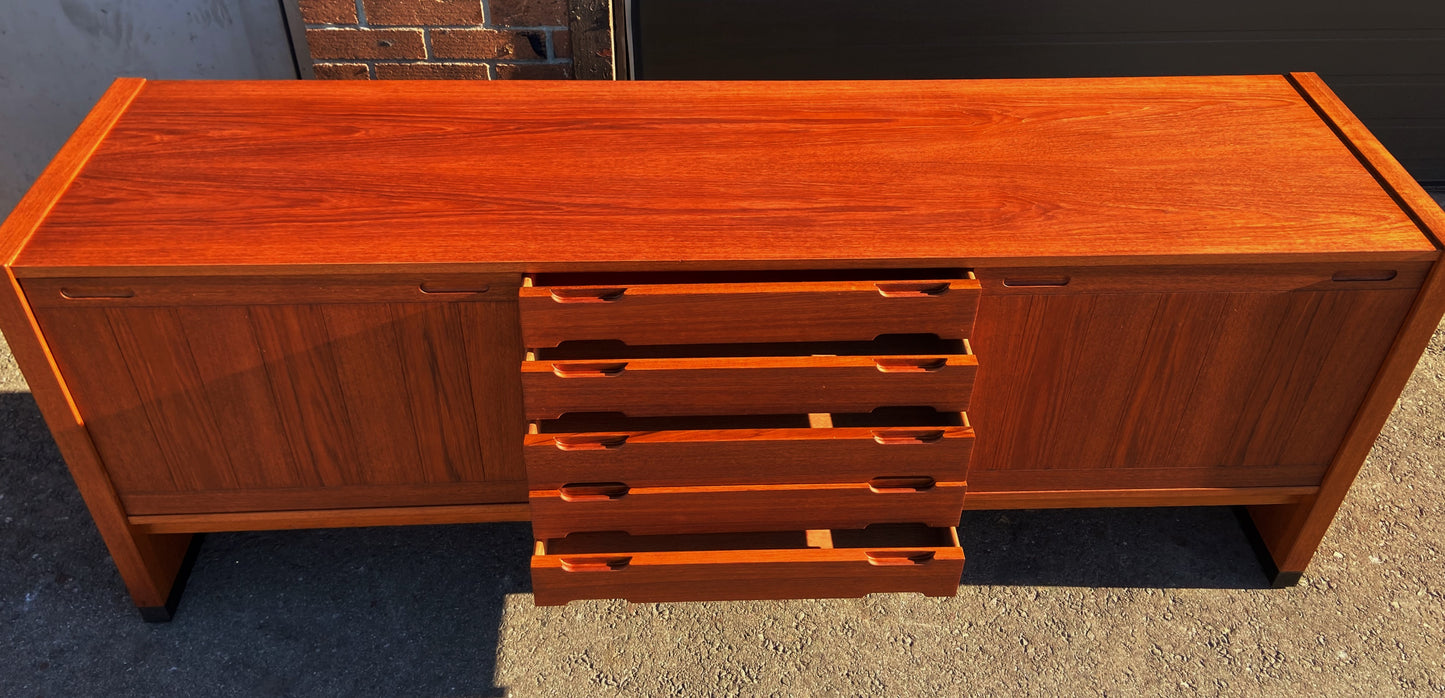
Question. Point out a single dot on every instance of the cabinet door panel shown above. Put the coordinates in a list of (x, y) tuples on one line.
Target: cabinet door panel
[(1254, 386), (227, 407)]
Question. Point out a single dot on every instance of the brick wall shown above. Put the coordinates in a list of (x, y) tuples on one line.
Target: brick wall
[(438, 39)]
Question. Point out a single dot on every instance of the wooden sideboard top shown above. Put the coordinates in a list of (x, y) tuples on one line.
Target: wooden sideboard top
[(174, 176)]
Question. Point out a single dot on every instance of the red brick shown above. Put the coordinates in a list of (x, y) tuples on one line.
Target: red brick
[(341, 71), (534, 71), (489, 43), (562, 43), (432, 71), (365, 43), (414, 13), (529, 13), (328, 11)]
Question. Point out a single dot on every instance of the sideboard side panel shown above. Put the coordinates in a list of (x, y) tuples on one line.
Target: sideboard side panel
[(149, 564)]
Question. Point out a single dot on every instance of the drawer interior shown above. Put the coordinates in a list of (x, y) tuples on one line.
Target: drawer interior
[(873, 537), (578, 422), (740, 277), (883, 345)]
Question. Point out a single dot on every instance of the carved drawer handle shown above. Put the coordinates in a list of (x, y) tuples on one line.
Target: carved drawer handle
[(892, 437), (911, 289), (593, 491), (594, 564), (84, 293), (589, 442), (899, 484), (587, 295), (588, 370), (899, 558), (1026, 282), (433, 288), (910, 365)]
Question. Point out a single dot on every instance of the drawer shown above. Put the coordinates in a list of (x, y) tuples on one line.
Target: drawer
[(692, 313), (894, 497), (729, 567), (766, 450), (746, 385)]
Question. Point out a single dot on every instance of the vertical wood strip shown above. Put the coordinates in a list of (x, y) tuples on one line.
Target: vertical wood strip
[(154, 349), (235, 385), (439, 386), (1354, 363), (493, 338), (87, 356), (369, 376), (303, 379)]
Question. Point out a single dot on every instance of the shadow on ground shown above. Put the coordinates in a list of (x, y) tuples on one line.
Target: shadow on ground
[(1196, 547), (416, 611)]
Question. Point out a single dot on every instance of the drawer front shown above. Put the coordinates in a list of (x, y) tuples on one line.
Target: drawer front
[(616, 506), (755, 385), (748, 312), (784, 569), (692, 458)]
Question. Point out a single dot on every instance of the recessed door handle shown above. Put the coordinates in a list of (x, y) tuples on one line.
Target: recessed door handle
[(84, 293), (435, 288), (1365, 275), (1026, 282)]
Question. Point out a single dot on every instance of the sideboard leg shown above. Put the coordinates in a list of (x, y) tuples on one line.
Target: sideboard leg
[(1278, 578), (164, 612)]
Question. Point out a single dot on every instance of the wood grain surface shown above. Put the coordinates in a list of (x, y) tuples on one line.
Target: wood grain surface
[(221, 175)]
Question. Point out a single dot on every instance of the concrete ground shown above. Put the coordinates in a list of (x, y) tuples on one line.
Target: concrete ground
[(1072, 602)]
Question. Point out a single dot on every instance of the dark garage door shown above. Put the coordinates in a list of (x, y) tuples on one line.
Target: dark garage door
[(1385, 58)]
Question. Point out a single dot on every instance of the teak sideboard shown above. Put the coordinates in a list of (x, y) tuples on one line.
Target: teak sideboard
[(715, 340)]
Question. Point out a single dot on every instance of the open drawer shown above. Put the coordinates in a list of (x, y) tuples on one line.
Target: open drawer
[(748, 379), (772, 565), (760, 450), (563, 309), (616, 506)]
